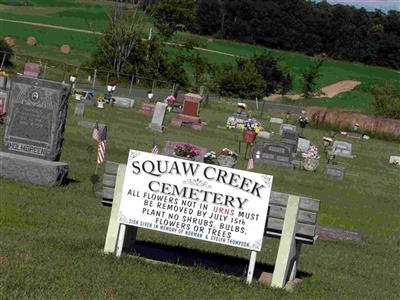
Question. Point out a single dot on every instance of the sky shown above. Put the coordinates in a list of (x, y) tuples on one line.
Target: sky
[(383, 5)]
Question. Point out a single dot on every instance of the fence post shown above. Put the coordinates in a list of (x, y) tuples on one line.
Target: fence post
[(94, 79), (130, 86), (4, 59)]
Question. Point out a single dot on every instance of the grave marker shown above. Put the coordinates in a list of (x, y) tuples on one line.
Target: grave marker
[(191, 105), (32, 70), (273, 153), (158, 117), (124, 102), (303, 145), (342, 149), (287, 127), (276, 120), (290, 138), (79, 109), (37, 112), (335, 171), (394, 160)]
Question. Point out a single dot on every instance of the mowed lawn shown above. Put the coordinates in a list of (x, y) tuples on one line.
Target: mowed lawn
[(52, 238)]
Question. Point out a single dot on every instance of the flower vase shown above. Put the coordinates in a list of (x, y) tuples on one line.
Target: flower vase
[(249, 136)]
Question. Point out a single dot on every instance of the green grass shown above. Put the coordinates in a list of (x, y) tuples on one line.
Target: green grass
[(52, 238)]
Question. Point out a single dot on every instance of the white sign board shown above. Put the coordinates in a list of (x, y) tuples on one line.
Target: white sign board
[(196, 200)]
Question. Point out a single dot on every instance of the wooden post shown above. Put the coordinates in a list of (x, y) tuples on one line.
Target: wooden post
[(252, 263), (113, 225), (285, 259), (130, 87), (94, 79)]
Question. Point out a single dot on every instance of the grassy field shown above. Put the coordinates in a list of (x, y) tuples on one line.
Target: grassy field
[(52, 238)]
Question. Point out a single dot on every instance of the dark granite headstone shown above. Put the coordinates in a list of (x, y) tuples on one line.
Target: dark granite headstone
[(291, 139), (335, 171), (37, 111), (34, 131), (278, 154)]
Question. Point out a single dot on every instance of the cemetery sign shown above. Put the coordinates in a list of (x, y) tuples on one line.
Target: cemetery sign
[(196, 200)]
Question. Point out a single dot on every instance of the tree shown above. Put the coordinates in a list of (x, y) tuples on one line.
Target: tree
[(119, 38), (242, 81), (173, 15), (6, 54), (310, 76), (276, 80)]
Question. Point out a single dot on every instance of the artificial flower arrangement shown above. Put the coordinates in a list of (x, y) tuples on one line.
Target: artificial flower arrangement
[(231, 123), (303, 120), (186, 150), (252, 125), (311, 158), (79, 92), (170, 100), (228, 152), (210, 158)]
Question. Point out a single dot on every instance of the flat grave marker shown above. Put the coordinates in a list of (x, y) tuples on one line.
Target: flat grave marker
[(342, 149), (124, 102), (276, 120), (336, 171), (79, 109)]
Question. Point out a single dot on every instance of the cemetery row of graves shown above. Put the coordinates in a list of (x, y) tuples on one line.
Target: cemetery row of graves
[(330, 196)]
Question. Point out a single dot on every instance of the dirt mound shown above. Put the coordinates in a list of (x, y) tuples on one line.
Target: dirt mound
[(9, 41), (337, 88), (65, 49), (31, 41)]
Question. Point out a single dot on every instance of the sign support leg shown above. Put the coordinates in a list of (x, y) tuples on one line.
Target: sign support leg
[(121, 238), (252, 264), (287, 246)]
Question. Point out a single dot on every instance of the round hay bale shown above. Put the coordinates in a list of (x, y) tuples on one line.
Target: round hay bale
[(65, 49), (9, 41), (31, 41)]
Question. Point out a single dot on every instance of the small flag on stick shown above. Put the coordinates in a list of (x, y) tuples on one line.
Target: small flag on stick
[(95, 132), (154, 148), (101, 149), (250, 164)]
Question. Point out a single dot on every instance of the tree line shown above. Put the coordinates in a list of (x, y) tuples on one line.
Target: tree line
[(339, 31)]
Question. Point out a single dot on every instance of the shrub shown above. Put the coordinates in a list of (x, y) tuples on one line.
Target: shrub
[(386, 101)]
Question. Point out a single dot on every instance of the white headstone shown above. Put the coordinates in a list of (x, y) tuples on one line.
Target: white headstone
[(394, 160), (276, 120), (303, 145), (158, 117), (124, 102), (79, 109), (342, 149), (264, 135), (287, 127)]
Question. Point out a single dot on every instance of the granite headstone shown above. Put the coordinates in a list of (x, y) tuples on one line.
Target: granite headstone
[(124, 102), (335, 171), (342, 149), (273, 153), (303, 145), (290, 138), (79, 109), (287, 127), (158, 117), (276, 120), (34, 131)]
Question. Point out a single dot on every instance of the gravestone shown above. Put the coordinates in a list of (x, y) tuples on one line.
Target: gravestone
[(290, 138), (273, 153), (170, 146), (287, 127), (342, 149), (3, 82), (191, 104), (158, 117), (32, 70), (335, 171), (34, 131), (303, 145), (124, 102), (90, 124), (354, 135), (276, 120), (394, 160), (147, 109), (264, 135), (79, 109)]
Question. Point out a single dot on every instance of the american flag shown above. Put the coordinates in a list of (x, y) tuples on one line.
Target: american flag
[(154, 148), (250, 164), (95, 132), (101, 149)]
